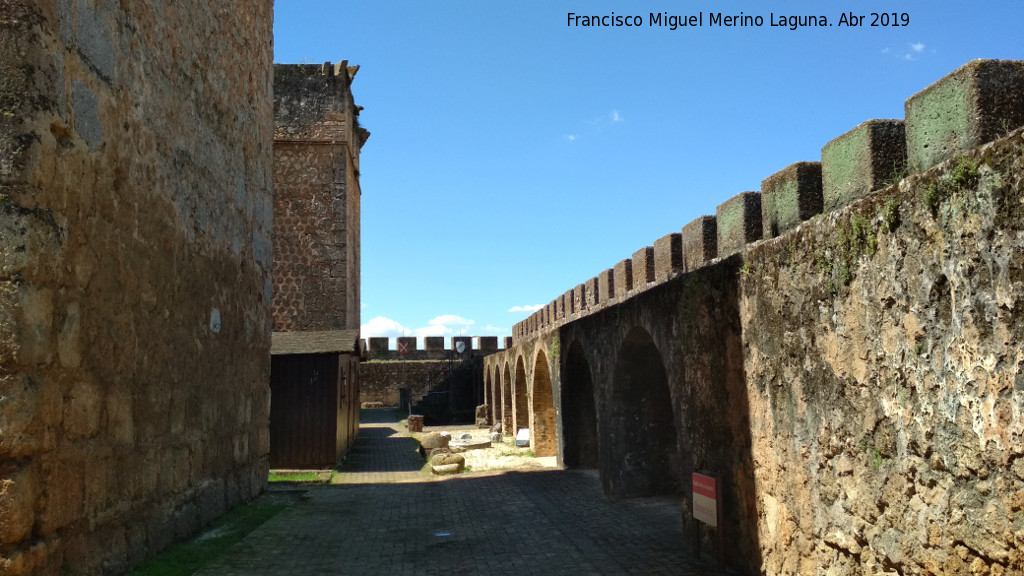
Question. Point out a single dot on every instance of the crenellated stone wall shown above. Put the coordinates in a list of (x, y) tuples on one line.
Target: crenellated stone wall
[(135, 223), (855, 381)]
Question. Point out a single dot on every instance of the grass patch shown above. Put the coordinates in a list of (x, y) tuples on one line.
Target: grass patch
[(305, 476), (189, 557)]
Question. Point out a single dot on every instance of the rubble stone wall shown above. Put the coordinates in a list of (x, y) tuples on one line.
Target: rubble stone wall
[(135, 222), (856, 383), (885, 376)]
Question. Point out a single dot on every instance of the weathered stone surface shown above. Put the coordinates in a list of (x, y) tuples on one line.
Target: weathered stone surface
[(868, 157), (855, 382), (668, 256), (606, 285), (738, 220), (436, 440), (415, 423), (974, 104), (623, 278), (699, 242), (135, 207), (790, 196), (447, 463), (643, 267)]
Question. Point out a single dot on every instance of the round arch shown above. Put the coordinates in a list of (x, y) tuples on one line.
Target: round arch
[(520, 414), (506, 400), (543, 435), (579, 414), (639, 431)]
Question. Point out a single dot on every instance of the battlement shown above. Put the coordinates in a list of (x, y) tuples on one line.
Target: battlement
[(406, 347), (977, 103)]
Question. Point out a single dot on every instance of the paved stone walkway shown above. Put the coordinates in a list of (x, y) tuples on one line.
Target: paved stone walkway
[(387, 517)]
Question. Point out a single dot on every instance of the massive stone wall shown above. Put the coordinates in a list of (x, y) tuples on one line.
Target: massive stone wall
[(855, 381), (135, 217)]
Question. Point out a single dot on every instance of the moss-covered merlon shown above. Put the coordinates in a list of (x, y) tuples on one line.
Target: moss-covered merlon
[(592, 293), (668, 256), (739, 222), (606, 281), (643, 266), (434, 343), (623, 278), (976, 103), (699, 242), (869, 157), (790, 196)]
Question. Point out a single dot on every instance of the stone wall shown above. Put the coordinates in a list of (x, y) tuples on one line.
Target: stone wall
[(885, 377), (317, 140), (856, 382), (135, 217), (380, 381)]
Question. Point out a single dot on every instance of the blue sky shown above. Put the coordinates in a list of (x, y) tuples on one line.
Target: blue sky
[(513, 157)]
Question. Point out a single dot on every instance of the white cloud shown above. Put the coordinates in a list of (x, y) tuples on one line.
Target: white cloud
[(614, 117), (527, 308), (918, 47), (571, 137), (450, 319), (382, 327)]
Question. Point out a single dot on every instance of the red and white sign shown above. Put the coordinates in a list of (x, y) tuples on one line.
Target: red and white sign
[(705, 499), (403, 347)]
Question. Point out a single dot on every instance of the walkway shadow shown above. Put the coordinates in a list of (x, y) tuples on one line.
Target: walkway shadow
[(381, 448)]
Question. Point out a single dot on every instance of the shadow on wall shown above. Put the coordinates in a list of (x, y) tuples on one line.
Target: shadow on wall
[(653, 390)]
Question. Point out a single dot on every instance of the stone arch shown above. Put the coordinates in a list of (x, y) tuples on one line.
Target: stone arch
[(543, 436), (506, 400), (641, 456), (489, 393), (579, 414), (521, 414)]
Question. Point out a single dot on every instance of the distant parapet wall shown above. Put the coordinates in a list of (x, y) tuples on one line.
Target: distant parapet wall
[(406, 349), (975, 104)]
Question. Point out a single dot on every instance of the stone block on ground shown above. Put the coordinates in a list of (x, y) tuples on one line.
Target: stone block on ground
[(523, 437), (869, 157), (699, 242), (974, 104), (432, 444), (447, 463), (483, 416), (790, 196), (739, 222), (415, 423)]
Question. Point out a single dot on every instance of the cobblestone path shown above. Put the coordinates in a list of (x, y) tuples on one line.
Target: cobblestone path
[(388, 518)]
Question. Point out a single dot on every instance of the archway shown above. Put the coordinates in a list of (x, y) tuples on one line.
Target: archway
[(506, 401), (488, 393), (543, 436), (521, 416), (579, 415), (639, 431)]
